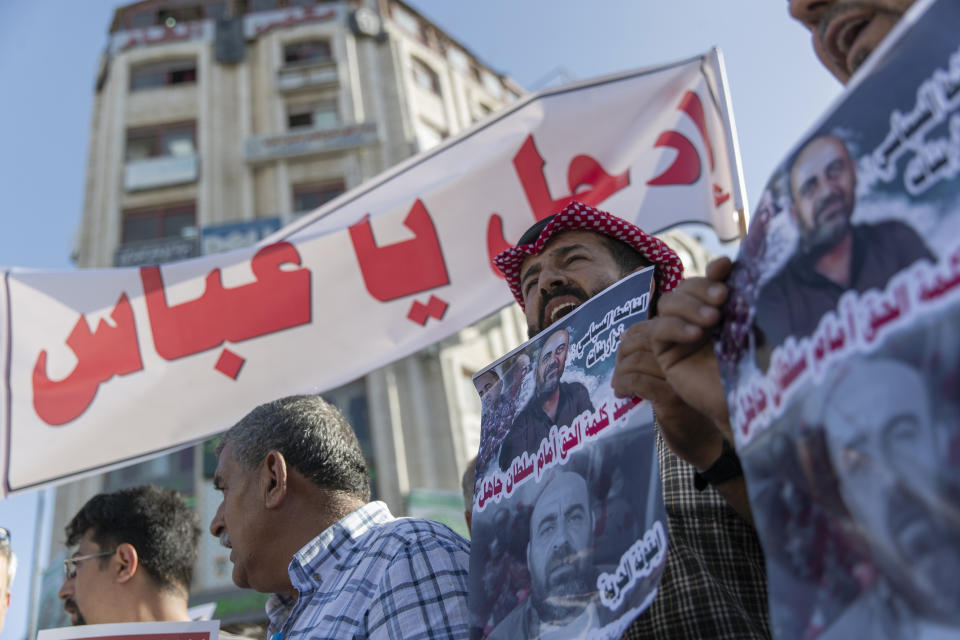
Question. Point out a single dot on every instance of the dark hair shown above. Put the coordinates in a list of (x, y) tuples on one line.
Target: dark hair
[(156, 521), (313, 437), (625, 256)]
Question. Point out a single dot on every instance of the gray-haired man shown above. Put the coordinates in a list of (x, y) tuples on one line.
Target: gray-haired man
[(297, 516)]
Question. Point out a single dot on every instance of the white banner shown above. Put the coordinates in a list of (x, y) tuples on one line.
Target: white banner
[(105, 366)]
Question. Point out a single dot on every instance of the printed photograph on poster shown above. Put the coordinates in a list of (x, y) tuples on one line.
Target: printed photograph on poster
[(569, 527), (198, 630), (840, 355)]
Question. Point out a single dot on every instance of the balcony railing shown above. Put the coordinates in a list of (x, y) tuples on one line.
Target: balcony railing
[(310, 141), (308, 75), (157, 251), (160, 172)]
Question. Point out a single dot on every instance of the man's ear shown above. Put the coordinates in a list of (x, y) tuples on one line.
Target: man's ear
[(273, 479), (129, 562)]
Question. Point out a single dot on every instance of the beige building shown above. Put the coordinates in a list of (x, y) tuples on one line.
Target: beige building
[(217, 121)]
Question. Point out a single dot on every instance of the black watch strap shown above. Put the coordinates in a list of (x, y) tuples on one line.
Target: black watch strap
[(724, 468)]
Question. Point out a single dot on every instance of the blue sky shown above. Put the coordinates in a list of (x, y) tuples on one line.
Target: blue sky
[(49, 52)]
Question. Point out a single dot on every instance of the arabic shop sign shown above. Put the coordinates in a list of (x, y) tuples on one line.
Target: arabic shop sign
[(299, 143)]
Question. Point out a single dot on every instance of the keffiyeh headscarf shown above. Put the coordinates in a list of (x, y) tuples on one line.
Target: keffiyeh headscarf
[(577, 216)]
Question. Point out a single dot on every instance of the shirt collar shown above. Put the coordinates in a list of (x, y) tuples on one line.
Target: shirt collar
[(321, 556), (334, 545)]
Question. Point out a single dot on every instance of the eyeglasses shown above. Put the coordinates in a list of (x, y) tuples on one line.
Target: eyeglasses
[(5, 535), (70, 564)]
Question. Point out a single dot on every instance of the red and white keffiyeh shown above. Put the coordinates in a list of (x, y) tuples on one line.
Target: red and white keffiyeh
[(577, 216)]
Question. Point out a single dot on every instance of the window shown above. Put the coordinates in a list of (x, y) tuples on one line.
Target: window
[(429, 135), (171, 16), (320, 115), (176, 220), (163, 74), (174, 470), (492, 84), (307, 51), (409, 23), (425, 77), (458, 59), (178, 139), (308, 197)]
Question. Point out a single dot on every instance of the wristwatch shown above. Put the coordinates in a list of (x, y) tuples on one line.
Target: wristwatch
[(724, 468)]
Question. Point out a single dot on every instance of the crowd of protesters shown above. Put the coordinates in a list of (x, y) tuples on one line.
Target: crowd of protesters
[(296, 512)]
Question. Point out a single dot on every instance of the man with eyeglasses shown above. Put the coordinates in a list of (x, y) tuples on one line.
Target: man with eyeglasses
[(8, 569), (134, 557)]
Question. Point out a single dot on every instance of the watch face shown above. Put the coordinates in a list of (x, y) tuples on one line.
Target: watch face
[(367, 21)]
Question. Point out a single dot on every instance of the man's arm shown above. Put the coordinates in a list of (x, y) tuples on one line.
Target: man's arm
[(680, 340), (687, 431)]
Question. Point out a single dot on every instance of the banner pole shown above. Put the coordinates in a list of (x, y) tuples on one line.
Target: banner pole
[(726, 107)]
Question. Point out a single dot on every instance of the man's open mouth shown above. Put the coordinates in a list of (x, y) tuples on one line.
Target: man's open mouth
[(839, 38)]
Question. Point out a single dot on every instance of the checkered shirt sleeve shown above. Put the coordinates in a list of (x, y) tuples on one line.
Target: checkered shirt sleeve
[(714, 585), (374, 576)]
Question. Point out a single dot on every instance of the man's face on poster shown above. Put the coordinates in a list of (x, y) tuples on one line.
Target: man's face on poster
[(488, 386), (560, 551), (846, 32), (884, 450), (823, 183), (515, 374), (551, 362)]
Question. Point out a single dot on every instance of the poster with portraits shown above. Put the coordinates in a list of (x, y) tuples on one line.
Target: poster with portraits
[(569, 527), (840, 353)]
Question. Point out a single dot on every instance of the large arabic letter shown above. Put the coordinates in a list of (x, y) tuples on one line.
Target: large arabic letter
[(108, 351), (402, 268), (496, 243), (690, 104), (585, 171), (529, 164), (685, 168), (186, 328), (276, 300)]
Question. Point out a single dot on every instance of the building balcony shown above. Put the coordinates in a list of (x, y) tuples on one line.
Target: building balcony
[(132, 254), (160, 172), (310, 141), (308, 75)]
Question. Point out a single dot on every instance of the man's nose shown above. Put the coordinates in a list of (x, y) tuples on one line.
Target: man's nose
[(66, 589), (551, 278), (809, 11), (217, 525)]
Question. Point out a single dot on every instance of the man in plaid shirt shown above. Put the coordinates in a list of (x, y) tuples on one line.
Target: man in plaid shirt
[(714, 583), (297, 518)]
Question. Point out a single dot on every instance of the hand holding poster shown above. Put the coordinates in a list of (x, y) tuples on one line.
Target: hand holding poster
[(569, 526), (840, 353)]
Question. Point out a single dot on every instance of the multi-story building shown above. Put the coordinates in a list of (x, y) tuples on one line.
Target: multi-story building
[(217, 121)]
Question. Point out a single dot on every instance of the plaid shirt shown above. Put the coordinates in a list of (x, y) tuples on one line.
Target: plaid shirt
[(371, 575), (714, 584)]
